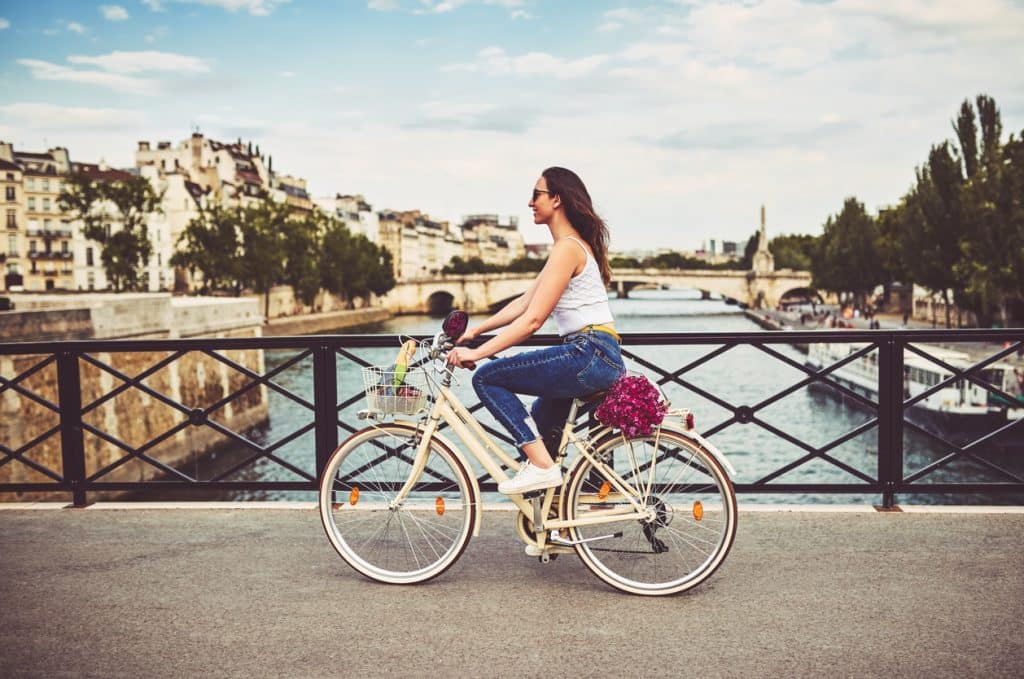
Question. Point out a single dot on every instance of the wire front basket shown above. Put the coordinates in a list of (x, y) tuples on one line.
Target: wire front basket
[(395, 391)]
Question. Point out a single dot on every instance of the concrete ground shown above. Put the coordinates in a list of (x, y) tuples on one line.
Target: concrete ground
[(260, 593)]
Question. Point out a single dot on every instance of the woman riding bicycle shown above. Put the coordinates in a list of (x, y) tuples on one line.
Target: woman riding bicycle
[(572, 285)]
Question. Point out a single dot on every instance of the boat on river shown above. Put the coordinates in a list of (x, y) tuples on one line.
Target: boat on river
[(961, 410)]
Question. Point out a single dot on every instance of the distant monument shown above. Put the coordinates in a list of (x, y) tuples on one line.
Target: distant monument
[(763, 262)]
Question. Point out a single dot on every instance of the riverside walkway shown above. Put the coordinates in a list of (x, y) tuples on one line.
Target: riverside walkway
[(256, 591)]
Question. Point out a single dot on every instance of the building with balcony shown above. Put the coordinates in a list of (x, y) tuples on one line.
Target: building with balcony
[(39, 235), (11, 248)]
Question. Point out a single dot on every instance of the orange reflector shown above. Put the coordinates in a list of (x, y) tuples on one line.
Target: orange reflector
[(439, 505), (606, 488), (698, 510), (353, 496)]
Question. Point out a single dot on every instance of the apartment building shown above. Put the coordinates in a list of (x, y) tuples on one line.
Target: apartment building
[(354, 212), (490, 240), (38, 250), (201, 172), (419, 246)]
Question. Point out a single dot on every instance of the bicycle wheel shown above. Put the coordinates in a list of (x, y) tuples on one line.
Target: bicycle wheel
[(386, 540), (694, 519)]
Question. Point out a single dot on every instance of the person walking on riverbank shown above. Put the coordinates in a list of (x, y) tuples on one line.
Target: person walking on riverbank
[(572, 286)]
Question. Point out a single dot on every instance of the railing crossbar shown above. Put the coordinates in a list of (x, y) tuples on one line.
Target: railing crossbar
[(258, 380)]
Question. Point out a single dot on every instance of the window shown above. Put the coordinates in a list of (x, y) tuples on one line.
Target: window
[(46, 204), (46, 185), (91, 280), (11, 195), (88, 261), (10, 176), (47, 224), (31, 246), (31, 203), (12, 219), (12, 245), (33, 224), (64, 246), (30, 184)]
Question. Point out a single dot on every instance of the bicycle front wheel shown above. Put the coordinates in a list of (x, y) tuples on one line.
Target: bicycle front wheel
[(692, 508), (384, 538)]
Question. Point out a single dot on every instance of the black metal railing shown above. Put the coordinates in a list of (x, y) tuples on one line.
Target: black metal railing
[(46, 379)]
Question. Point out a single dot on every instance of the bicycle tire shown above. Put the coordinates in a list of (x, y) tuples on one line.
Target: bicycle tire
[(397, 544), (655, 558)]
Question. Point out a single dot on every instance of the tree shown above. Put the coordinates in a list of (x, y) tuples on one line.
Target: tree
[(991, 197), (847, 258), (99, 202), (210, 244), (262, 256), (793, 252), (302, 247), (351, 266)]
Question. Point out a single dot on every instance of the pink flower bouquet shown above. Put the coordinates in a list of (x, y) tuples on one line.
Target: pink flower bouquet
[(633, 405)]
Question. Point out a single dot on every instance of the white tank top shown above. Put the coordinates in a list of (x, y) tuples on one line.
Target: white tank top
[(584, 301)]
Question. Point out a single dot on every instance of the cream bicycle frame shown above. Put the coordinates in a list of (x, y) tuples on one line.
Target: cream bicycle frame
[(448, 408)]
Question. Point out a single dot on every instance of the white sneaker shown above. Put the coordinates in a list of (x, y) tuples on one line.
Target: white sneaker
[(532, 478), (533, 550)]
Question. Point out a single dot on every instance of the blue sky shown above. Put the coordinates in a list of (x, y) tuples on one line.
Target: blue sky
[(682, 117)]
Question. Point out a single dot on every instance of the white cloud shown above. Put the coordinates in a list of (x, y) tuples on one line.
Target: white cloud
[(382, 5), (521, 14), (495, 62), (609, 27), (288, 74), (253, 7), (48, 116), (624, 14), (76, 27), (113, 12), (157, 33), (140, 62), (4, 23), (44, 70)]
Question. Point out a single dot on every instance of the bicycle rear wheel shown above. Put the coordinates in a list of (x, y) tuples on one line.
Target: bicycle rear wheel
[(386, 540), (694, 520)]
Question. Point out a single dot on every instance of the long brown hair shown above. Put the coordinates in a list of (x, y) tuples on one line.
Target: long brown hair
[(581, 214)]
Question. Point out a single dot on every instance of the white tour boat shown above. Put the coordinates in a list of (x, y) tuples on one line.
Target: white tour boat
[(962, 408)]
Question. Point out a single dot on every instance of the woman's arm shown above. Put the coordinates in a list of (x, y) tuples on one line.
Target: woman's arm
[(548, 288), (506, 315)]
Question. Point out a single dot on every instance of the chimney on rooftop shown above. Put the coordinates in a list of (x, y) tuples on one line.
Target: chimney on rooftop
[(6, 151), (143, 145)]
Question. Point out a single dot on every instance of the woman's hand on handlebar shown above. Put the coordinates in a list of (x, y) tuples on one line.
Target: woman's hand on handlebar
[(461, 357)]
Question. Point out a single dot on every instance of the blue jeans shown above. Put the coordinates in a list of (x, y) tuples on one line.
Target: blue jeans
[(584, 363)]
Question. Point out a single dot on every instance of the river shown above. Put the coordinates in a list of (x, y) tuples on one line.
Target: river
[(740, 376)]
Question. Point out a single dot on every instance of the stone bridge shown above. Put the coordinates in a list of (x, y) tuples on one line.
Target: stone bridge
[(479, 293)]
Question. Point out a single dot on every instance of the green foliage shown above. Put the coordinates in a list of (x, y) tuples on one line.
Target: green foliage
[(210, 245), (351, 265), (99, 203), (264, 245), (793, 252), (462, 267), (846, 258), (959, 228)]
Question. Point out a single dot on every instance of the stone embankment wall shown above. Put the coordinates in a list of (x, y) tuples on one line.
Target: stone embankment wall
[(195, 380)]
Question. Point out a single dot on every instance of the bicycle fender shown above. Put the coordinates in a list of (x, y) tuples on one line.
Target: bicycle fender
[(457, 454)]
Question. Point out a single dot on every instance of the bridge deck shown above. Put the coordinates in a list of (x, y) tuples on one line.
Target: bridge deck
[(255, 592)]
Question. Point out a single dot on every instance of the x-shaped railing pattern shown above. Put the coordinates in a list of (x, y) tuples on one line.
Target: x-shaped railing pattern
[(327, 409)]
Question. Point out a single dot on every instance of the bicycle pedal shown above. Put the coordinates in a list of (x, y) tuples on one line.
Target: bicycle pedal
[(535, 494)]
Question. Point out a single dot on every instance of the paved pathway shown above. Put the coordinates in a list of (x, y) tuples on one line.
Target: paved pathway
[(259, 593)]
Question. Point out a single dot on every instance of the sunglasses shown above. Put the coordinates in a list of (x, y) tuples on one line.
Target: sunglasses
[(537, 192)]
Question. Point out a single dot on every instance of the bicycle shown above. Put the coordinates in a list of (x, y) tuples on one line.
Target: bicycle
[(651, 515)]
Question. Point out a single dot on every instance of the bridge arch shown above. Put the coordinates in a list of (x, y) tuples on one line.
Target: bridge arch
[(439, 303)]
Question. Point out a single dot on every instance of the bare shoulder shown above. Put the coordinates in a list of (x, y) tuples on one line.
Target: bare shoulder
[(568, 253)]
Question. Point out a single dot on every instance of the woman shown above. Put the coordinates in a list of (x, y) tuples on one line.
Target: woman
[(572, 286)]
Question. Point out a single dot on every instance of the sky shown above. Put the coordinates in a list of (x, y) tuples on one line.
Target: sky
[(682, 117)]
